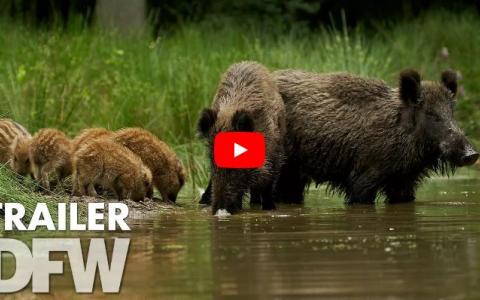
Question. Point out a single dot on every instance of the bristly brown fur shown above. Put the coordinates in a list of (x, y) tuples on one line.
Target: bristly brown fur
[(20, 155), (50, 152), (14, 139), (112, 166), (89, 134), (247, 99), (362, 137), (168, 172)]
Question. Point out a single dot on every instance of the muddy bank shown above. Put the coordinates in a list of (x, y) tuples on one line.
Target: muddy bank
[(137, 210)]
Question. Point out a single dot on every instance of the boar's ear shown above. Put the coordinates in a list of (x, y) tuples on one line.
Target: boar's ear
[(410, 86), (206, 121), (242, 121), (449, 80)]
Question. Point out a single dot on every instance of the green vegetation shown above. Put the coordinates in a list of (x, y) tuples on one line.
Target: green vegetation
[(75, 78), (12, 191)]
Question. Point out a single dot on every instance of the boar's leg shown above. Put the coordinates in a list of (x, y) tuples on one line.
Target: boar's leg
[(75, 189), (83, 189), (44, 178), (63, 173), (291, 184), (362, 188), (267, 202), (58, 182), (401, 191), (118, 192), (91, 190), (75, 185), (149, 193), (267, 197), (36, 174), (255, 197), (232, 207), (237, 205), (117, 187), (207, 195)]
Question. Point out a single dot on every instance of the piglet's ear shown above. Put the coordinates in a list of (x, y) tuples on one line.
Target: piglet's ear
[(449, 80), (206, 121), (410, 86), (242, 121)]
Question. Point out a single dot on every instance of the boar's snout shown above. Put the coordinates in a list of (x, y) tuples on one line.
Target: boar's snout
[(138, 196), (172, 197), (225, 196), (469, 157), (459, 151)]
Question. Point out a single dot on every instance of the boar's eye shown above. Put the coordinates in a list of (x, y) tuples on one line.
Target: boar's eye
[(243, 121)]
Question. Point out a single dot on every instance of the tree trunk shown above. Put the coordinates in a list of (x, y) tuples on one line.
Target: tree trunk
[(126, 16)]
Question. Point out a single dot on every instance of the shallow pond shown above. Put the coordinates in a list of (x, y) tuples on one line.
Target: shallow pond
[(427, 249)]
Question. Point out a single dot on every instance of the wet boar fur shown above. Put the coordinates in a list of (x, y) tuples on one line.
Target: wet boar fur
[(14, 146), (363, 137), (111, 166), (89, 134), (247, 100), (50, 154), (168, 173)]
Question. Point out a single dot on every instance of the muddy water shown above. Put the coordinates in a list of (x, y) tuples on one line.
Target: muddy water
[(429, 249)]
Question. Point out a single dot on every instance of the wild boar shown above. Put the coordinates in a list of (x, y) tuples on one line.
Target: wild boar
[(168, 173), (363, 137), (247, 100), (113, 167), (50, 151), (88, 135), (14, 142)]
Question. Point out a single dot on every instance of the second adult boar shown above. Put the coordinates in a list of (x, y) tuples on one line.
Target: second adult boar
[(363, 137)]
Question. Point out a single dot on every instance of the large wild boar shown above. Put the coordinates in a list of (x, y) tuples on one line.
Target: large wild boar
[(363, 137), (247, 100)]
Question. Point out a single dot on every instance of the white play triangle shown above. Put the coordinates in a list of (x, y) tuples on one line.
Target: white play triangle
[(238, 150)]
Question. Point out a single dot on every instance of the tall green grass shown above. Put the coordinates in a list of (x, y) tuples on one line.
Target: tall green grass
[(77, 78)]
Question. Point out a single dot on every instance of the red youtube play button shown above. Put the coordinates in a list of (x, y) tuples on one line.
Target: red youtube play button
[(239, 150)]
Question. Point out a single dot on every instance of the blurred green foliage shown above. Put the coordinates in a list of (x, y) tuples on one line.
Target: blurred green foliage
[(168, 14)]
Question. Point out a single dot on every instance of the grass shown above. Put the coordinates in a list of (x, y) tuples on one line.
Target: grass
[(77, 78), (12, 191)]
